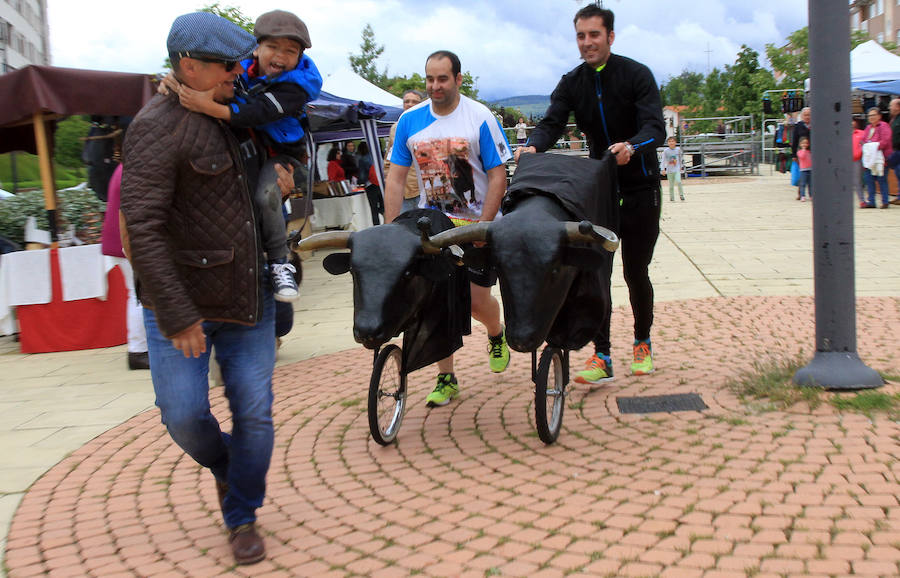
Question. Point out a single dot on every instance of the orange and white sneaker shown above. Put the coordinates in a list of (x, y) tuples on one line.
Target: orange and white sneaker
[(599, 370), (643, 358)]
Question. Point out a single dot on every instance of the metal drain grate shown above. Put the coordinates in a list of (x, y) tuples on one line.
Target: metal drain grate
[(661, 403)]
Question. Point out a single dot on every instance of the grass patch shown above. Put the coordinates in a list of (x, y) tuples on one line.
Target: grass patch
[(868, 402), (771, 380)]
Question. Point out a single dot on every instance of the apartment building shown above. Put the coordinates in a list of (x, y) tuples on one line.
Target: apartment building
[(879, 19), (24, 34)]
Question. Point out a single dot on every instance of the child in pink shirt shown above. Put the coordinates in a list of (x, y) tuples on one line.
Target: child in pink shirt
[(804, 159)]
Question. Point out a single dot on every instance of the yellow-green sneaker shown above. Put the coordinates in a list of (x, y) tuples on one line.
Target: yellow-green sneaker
[(643, 358), (446, 389), (498, 352), (599, 370)]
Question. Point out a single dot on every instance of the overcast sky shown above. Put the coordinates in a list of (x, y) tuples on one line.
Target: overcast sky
[(514, 47)]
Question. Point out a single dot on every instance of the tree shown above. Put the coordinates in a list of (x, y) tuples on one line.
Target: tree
[(792, 59), (686, 89), (363, 63), (714, 92), (747, 81), (468, 85), (230, 13), (69, 140), (397, 85)]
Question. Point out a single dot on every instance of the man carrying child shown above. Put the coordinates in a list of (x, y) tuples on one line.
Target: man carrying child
[(271, 95)]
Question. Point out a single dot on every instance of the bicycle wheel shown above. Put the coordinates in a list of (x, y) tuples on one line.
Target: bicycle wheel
[(549, 395), (387, 395)]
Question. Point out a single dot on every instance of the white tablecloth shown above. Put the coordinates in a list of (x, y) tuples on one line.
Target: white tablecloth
[(351, 212), (25, 278)]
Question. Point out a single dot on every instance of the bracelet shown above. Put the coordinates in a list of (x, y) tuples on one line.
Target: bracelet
[(629, 148)]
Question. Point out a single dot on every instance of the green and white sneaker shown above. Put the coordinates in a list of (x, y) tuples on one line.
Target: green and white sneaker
[(446, 389), (643, 358), (599, 369), (498, 352)]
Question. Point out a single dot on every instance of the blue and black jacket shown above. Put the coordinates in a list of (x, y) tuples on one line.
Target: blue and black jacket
[(620, 103), (275, 106)]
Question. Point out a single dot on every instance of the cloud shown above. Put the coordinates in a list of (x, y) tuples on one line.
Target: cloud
[(513, 47)]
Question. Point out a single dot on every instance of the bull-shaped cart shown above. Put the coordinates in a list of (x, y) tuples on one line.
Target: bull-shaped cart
[(553, 264), (400, 288)]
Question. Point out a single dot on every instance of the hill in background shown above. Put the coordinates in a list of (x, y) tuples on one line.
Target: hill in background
[(531, 105)]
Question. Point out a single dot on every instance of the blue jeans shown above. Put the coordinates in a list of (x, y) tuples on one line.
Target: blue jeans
[(870, 185), (803, 184), (246, 355)]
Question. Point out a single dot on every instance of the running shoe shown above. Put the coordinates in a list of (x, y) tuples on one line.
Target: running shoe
[(643, 359), (447, 388), (599, 369), (498, 352)]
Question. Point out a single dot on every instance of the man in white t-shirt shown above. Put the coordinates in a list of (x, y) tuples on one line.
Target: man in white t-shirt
[(459, 151)]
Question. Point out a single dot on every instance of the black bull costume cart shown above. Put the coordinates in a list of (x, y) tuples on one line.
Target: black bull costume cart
[(552, 250)]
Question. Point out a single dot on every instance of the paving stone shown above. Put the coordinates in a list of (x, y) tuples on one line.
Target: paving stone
[(469, 488)]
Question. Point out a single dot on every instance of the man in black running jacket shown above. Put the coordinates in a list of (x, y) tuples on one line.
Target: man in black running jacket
[(617, 106)]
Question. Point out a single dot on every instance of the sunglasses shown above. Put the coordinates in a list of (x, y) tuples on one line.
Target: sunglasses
[(229, 64)]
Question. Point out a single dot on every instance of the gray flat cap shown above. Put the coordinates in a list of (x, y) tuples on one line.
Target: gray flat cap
[(204, 35), (281, 24)]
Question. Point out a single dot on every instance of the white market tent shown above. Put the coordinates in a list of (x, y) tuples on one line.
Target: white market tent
[(874, 69), (345, 81)]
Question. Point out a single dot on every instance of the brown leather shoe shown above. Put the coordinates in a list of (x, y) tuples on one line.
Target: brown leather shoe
[(896, 201), (246, 544)]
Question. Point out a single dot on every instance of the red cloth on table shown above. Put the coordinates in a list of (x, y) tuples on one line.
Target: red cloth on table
[(74, 325)]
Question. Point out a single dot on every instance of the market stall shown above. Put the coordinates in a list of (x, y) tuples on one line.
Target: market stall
[(67, 298)]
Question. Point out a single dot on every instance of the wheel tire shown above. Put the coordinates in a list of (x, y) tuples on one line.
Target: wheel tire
[(387, 395), (549, 395)]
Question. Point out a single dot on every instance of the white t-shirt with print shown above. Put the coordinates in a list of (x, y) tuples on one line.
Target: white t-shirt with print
[(451, 155)]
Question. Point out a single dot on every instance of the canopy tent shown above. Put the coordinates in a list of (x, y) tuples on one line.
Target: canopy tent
[(333, 118), (345, 81), (874, 69), (35, 96)]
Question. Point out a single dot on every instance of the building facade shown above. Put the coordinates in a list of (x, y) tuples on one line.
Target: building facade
[(24, 34), (879, 19)]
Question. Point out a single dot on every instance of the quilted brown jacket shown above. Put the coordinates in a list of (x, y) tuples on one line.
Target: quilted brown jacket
[(190, 221)]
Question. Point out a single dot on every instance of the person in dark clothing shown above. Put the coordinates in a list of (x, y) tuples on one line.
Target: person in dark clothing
[(271, 97), (364, 162), (348, 160), (194, 240), (617, 106), (801, 129), (894, 160)]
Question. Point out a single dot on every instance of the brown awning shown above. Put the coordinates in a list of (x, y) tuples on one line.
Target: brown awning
[(59, 92)]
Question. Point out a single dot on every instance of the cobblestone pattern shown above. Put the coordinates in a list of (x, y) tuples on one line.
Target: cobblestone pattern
[(469, 489)]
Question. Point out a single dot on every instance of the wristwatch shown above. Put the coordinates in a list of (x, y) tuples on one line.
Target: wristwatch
[(629, 148)]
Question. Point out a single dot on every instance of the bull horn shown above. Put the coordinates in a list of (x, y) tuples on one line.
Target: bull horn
[(585, 231), (456, 236), (326, 240)]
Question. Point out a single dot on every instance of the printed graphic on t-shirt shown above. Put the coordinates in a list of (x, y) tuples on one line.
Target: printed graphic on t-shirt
[(447, 174)]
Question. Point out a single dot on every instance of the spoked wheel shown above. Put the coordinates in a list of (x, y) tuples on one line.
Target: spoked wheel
[(387, 395), (549, 395)]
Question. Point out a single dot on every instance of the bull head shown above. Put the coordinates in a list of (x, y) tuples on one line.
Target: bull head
[(391, 277), (536, 252)]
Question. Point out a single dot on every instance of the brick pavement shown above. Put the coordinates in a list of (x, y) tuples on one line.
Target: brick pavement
[(470, 490)]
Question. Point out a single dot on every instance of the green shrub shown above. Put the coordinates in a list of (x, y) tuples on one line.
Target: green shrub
[(80, 208)]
